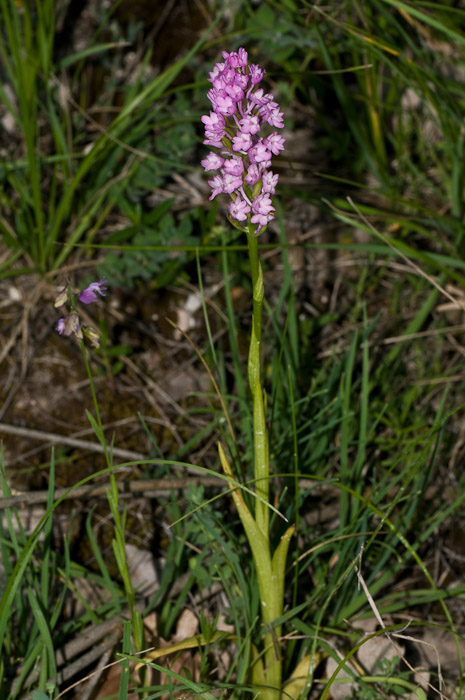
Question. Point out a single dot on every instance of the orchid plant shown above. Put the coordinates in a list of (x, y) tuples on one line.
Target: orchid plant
[(236, 128)]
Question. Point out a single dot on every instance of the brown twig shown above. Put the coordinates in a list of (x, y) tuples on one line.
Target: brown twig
[(148, 487), (55, 438), (90, 639)]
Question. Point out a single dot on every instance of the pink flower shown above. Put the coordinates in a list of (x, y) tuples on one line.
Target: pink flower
[(216, 73), (256, 74), (260, 154), (238, 209), (213, 121), (236, 60), (217, 186), (212, 162), (271, 114), (234, 165), (253, 174), (259, 97), (231, 182), (275, 143), (269, 182), (250, 124), (213, 139), (235, 92), (223, 103), (275, 118), (262, 211), (242, 142)]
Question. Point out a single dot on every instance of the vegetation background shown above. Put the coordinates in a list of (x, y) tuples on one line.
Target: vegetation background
[(100, 145)]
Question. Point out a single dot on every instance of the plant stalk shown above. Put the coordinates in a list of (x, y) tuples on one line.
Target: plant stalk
[(260, 436)]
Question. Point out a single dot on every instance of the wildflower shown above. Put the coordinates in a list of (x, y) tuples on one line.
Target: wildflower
[(234, 166), (217, 186), (92, 336), (253, 174), (242, 142), (274, 143), (62, 298), (250, 124), (238, 209), (69, 324), (269, 182), (262, 210), (214, 122), (212, 162), (231, 183), (240, 110), (88, 295), (260, 154)]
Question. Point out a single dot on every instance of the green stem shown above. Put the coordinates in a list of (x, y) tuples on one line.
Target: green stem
[(260, 436), (271, 578), (267, 673), (270, 574), (119, 523)]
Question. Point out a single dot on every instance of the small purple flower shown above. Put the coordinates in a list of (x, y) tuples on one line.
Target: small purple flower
[(231, 182), (271, 114), (235, 92), (217, 186), (269, 182), (250, 124), (259, 97), (242, 142), (256, 74), (88, 295), (215, 74), (262, 211), (228, 75), (234, 166), (214, 122), (274, 143), (238, 209), (253, 174), (259, 153), (224, 104), (236, 60), (213, 139), (68, 325), (212, 162)]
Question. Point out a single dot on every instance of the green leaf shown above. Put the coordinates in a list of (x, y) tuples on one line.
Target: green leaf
[(68, 61)]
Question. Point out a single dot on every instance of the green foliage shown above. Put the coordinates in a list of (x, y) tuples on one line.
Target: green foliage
[(150, 256), (362, 426), (47, 222)]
